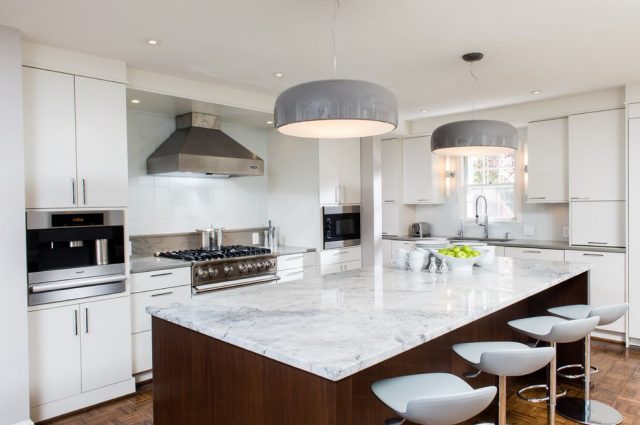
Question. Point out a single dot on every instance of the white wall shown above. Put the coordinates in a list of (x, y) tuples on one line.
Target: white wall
[(182, 204), (14, 357), (293, 202)]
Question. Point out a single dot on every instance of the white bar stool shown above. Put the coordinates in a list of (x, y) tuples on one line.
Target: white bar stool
[(584, 410), (554, 330), (504, 358), (432, 398)]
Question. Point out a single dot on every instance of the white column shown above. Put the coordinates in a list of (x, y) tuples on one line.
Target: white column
[(371, 202), (14, 355)]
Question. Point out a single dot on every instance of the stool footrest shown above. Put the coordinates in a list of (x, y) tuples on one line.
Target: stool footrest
[(577, 375), (521, 393)]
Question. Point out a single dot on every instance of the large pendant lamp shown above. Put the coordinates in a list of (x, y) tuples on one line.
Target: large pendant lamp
[(331, 109), (474, 137)]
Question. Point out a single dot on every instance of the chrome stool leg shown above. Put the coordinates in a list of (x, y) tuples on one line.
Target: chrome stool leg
[(585, 410)]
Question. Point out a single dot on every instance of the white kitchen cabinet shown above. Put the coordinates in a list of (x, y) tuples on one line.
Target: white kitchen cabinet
[(391, 170), (499, 251), (597, 156), (49, 139), (387, 251), (534, 253), (101, 139), (54, 354), (408, 245), (77, 349), (341, 267), (106, 342), (75, 141), (598, 223), (606, 280), (422, 172), (296, 266), (340, 260), (391, 219), (296, 274), (633, 250), (140, 319), (339, 169), (547, 168)]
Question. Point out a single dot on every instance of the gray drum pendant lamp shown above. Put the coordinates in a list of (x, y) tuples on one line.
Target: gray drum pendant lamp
[(331, 109), (474, 137)]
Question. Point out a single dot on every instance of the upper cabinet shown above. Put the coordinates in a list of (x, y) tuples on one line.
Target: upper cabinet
[(547, 148), (422, 172), (391, 170), (75, 141), (597, 156), (339, 171)]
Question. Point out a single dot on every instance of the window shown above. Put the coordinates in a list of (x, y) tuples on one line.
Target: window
[(495, 177)]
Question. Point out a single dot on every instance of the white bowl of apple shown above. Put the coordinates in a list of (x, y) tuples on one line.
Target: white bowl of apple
[(460, 257)]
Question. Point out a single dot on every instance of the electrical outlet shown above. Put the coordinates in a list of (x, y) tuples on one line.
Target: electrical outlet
[(565, 231), (255, 238), (529, 230)]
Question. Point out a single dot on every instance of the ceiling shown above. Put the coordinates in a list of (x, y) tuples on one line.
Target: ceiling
[(411, 46)]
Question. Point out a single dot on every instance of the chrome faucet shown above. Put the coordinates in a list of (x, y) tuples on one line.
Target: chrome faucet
[(485, 219)]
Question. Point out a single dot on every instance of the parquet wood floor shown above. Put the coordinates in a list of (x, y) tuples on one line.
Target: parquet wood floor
[(617, 383)]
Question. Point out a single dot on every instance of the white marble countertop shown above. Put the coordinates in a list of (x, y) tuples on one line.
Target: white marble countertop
[(336, 325)]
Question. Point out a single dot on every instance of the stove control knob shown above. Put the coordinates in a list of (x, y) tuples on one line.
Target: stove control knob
[(251, 266), (242, 268), (260, 265), (202, 274), (212, 272), (228, 270), (272, 263)]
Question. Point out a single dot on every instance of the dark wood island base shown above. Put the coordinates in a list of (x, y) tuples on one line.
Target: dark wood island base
[(199, 380)]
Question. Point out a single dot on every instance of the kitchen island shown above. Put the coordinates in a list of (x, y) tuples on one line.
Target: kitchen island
[(306, 352)]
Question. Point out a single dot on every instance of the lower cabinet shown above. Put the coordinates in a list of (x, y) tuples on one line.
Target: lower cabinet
[(340, 260), (387, 251), (499, 251), (607, 280), (77, 349), (341, 267), (296, 266), (534, 253)]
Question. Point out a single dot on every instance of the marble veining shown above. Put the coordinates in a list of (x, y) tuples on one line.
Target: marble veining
[(336, 325)]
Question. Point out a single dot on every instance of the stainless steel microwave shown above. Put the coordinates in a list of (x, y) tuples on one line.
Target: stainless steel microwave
[(341, 226)]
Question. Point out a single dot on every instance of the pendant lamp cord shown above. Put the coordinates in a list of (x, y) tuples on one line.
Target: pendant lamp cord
[(473, 90), (336, 7)]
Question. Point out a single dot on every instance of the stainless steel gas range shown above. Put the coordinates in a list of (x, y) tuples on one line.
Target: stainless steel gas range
[(227, 267)]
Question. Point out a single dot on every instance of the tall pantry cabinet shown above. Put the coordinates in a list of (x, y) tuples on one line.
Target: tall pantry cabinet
[(633, 247)]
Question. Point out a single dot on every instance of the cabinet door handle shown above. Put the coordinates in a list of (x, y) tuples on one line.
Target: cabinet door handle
[(577, 197), (389, 200), (75, 322), (537, 197), (598, 243), (340, 252), (161, 294), (84, 191), (423, 200), (86, 320), (162, 274), (593, 255), (531, 252), (73, 191)]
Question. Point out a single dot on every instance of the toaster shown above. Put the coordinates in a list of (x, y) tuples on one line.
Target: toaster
[(421, 229)]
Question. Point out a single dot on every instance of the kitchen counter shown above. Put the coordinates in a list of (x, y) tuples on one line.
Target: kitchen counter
[(150, 264), (336, 325), (522, 243), (289, 250)]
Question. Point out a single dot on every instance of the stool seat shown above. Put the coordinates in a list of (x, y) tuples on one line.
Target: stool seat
[(555, 329), (433, 398), (608, 313), (504, 358)]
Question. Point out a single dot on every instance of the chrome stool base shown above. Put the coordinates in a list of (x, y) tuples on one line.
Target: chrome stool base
[(521, 391), (394, 421), (575, 366), (589, 413)]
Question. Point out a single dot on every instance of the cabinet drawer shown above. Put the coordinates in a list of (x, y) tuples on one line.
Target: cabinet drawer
[(342, 267), (141, 352), (295, 274), (401, 244), (598, 223), (342, 255), (140, 319), (149, 281), (535, 253), (296, 261), (606, 280)]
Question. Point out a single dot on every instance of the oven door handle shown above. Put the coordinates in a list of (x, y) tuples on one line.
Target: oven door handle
[(75, 283), (216, 286)]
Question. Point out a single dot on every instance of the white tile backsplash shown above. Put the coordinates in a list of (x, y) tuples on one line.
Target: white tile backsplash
[(182, 204)]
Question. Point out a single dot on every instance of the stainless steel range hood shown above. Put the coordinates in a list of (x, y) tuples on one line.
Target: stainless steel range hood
[(198, 148)]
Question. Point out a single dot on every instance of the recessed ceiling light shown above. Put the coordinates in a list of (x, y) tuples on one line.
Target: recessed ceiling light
[(152, 41), (136, 101), (423, 110), (278, 74), (536, 92), (269, 122)]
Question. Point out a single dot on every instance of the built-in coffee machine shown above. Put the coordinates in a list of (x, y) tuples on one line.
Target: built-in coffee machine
[(74, 254)]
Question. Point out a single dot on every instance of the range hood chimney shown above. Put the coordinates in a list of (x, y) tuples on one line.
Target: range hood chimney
[(198, 148)]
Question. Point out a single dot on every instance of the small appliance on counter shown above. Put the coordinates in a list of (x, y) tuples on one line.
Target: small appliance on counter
[(421, 229)]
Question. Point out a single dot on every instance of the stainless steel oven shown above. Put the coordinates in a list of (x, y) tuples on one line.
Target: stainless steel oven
[(74, 254), (341, 226)]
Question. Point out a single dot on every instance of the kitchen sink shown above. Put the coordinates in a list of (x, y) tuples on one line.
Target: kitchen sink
[(488, 240)]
